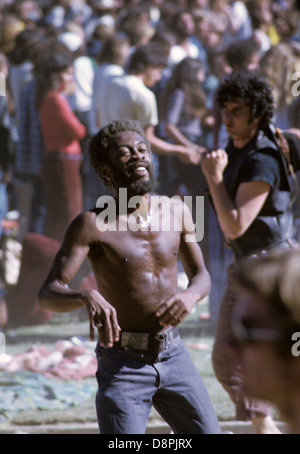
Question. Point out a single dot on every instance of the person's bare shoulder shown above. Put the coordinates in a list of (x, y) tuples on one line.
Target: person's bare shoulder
[(83, 229)]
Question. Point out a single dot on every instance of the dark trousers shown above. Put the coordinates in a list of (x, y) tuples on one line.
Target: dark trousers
[(226, 360), (129, 383)]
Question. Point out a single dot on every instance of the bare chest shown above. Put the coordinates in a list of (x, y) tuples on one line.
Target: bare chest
[(140, 249)]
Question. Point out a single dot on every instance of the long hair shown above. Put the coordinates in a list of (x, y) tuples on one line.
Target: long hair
[(25, 43), (47, 70), (185, 77)]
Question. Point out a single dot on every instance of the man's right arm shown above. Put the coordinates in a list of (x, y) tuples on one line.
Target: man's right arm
[(55, 295)]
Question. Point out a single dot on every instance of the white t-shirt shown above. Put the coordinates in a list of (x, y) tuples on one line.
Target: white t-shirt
[(103, 73), (127, 97), (84, 77), (178, 53)]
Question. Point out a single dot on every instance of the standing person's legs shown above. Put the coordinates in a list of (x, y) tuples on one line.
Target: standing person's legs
[(126, 385), (220, 257), (38, 206), (4, 206), (129, 382), (182, 398), (227, 368), (23, 190)]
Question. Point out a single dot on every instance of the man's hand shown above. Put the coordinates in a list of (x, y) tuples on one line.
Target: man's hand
[(102, 316), (213, 165), (190, 155), (174, 310)]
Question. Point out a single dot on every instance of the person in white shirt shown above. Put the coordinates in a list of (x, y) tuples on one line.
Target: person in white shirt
[(183, 26), (111, 62)]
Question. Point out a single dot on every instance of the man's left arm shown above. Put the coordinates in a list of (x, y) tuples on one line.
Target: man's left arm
[(174, 310)]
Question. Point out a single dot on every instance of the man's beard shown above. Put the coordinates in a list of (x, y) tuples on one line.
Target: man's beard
[(134, 186), (141, 187)]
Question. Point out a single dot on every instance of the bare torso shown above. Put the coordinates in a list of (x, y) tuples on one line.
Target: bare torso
[(132, 242), (135, 271)]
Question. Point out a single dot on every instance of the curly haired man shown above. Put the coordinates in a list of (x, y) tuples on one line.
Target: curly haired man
[(251, 193)]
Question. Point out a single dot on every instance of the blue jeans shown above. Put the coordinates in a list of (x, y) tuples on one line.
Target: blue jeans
[(3, 201), (129, 383)]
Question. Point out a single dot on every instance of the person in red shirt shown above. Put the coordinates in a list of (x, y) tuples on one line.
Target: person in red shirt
[(61, 133)]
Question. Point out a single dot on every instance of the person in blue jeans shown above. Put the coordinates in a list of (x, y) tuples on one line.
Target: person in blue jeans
[(133, 251), (6, 161), (6, 148)]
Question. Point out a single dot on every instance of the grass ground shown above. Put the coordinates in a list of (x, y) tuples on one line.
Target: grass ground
[(196, 334)]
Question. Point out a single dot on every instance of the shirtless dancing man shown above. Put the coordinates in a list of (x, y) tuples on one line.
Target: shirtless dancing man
[(141, 357)]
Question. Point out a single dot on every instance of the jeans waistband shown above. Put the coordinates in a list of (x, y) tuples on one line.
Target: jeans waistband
[(152, 344)]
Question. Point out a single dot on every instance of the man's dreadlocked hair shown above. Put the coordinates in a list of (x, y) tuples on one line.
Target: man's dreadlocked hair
[(253, 90)]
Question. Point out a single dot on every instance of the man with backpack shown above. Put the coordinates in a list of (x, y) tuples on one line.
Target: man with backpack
[(250, 187)]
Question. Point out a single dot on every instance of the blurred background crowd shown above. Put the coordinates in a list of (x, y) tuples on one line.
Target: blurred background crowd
[(74, 47)]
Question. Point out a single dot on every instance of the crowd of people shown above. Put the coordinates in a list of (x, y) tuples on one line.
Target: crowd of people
[(193, 45), (72, 67)]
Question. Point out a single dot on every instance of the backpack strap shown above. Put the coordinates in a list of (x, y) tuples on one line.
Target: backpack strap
[(284, 146), (285, 151)]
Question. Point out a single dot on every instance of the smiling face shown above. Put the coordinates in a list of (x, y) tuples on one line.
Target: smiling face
[(131, 163)]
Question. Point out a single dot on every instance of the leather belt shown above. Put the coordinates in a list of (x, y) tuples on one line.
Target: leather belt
[(152, 344)]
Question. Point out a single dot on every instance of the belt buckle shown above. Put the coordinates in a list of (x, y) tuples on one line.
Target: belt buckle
[(135, 341)]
